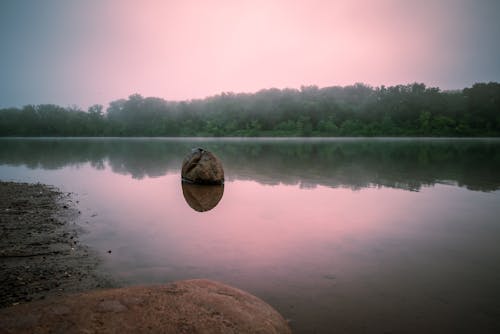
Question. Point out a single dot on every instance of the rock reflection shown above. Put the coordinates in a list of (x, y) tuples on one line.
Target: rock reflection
[(202, 197)]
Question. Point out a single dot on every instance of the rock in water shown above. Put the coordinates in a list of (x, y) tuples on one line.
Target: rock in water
[(193, 306), (202, 167)]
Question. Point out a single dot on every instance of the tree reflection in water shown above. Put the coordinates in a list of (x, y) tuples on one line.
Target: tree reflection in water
[(354, 163)]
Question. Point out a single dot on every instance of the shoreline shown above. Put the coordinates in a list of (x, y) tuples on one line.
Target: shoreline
[(40, 253), (50, 283)]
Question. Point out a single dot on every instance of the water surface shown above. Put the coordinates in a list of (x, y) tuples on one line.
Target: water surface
[(343, 235)]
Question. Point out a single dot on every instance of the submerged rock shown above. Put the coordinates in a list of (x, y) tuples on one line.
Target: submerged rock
[(202, 167), (193, 306), (202, 197)]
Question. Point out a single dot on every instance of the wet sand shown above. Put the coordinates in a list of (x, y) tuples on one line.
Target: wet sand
[(40, 254)]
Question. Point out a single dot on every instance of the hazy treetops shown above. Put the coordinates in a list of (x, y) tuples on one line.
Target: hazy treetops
[(358, 110)]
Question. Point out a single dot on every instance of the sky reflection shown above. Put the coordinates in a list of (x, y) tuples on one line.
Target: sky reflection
[(378, 257)]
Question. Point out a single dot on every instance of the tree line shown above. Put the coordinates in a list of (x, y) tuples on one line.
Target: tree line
[(357, 110)]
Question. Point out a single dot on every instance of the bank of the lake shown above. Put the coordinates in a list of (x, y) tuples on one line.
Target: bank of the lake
[(44, 266), (40, 255)]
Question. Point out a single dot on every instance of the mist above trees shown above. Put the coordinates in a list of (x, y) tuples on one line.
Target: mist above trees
[(358, 110)]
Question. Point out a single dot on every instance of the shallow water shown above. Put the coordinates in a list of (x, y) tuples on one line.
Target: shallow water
[(342, 235)]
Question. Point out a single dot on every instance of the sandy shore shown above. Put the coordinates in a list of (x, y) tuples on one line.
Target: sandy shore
[(40, 255)]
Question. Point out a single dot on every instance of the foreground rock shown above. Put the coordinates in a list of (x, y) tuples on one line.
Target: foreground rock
[(202, 197), (202, 167), (40, 255), (193, 306)]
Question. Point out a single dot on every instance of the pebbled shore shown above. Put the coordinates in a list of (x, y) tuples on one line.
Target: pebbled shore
[(40, 255)]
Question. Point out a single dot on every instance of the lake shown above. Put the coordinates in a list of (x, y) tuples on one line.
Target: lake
[(339, 235)]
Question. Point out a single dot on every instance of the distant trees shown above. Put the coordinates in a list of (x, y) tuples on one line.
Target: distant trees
[(357, 110)]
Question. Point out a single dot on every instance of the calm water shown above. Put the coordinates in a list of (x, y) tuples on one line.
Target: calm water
[(344, 236)]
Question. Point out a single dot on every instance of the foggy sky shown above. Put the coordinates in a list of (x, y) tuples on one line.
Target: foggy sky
[(94, 51)]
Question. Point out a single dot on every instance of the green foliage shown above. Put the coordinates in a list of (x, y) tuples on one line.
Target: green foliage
[(358, 110)]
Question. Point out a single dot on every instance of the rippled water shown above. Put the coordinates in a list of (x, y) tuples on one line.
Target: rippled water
[(342, 235)]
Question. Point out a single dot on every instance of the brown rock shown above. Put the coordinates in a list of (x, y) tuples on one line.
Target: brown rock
[(202, 167), (193, 306), (202, 197)]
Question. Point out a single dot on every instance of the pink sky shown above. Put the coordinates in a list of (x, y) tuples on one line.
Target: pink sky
[(96, 51), (194, 49)]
